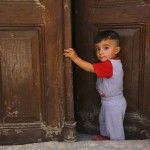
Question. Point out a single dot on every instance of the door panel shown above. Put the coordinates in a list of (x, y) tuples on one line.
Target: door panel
[(130, 53), (20, 78), (133, 27), (31, 71)]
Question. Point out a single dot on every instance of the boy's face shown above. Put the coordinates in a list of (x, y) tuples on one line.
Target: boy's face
[(107, 49)]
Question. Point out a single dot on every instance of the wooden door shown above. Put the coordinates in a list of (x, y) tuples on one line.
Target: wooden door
[(32, 72), (131, 19)]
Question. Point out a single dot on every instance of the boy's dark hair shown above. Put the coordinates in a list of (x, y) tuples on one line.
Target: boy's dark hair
[(107, 34)]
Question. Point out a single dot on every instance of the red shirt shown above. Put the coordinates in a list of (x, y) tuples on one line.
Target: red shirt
[(104, 69)]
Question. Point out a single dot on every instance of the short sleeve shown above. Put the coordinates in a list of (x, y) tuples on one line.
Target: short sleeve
[(103, 69)]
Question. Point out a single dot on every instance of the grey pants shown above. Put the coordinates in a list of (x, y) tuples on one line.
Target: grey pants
[(111, 117)]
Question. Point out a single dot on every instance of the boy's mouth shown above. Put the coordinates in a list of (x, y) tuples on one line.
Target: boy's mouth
[(102, 57)]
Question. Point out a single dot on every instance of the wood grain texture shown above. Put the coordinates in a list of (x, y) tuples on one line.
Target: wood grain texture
[(131, 20), (118, 3), (31, 70)]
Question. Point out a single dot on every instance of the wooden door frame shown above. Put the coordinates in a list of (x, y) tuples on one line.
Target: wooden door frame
[(69, 132)]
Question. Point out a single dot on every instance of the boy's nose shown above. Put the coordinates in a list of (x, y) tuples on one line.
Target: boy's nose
[(100, 52)]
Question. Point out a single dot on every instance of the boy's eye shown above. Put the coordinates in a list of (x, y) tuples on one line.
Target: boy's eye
[(106, 48), (97, 48)]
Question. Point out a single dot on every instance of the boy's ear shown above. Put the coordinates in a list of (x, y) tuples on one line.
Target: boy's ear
[(117, 49)]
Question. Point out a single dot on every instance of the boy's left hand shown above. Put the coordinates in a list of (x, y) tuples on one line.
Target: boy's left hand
[(70, 53)]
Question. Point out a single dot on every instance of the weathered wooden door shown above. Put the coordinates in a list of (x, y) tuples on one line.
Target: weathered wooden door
[(131, 19), (32, 70)]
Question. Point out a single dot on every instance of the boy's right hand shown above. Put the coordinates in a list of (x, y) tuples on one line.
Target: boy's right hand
[(70, 52)]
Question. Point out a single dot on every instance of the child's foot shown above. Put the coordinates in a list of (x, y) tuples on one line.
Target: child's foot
[(100, 137)]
